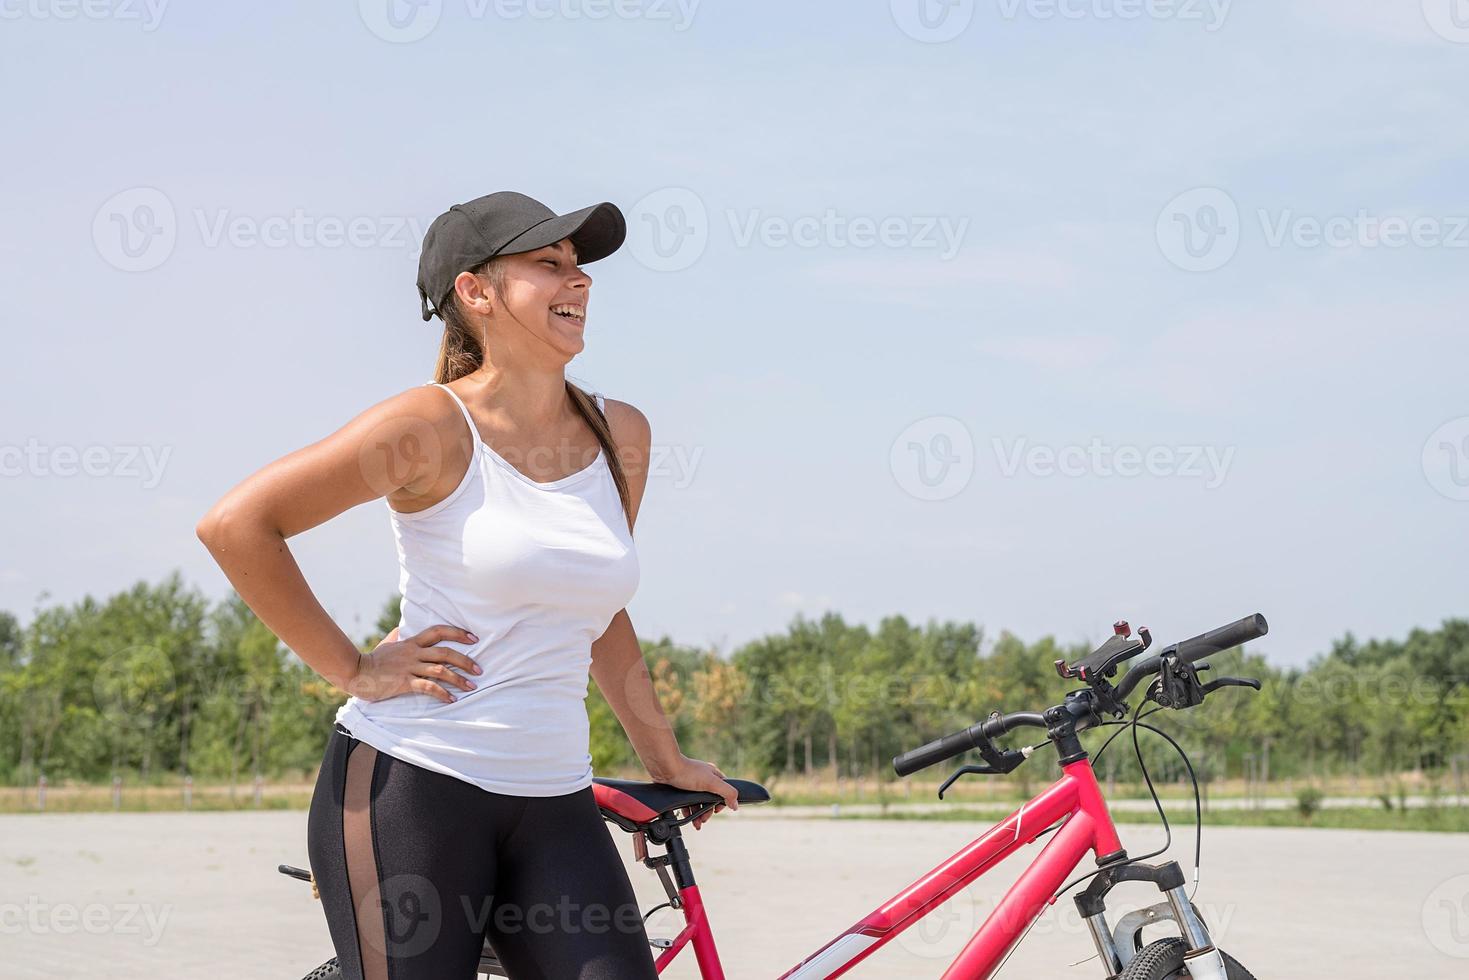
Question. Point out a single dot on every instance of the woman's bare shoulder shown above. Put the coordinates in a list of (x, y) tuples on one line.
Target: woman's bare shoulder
[(418, 407), (630, 427)]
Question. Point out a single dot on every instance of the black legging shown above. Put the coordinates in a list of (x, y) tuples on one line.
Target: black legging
[(417, 869)]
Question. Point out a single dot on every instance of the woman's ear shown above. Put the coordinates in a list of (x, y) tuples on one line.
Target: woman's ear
[(474, 293)]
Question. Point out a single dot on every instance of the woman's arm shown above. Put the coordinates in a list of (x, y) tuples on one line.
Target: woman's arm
[(618, 665), (621, 673), (399, 448)]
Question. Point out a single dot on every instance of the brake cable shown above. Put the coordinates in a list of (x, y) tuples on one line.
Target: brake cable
[(1198, 803), (1134, 723)]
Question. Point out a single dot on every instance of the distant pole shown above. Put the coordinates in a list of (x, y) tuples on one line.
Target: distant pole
[(117, 792), (188, 792), (259, 788), (41, 791)]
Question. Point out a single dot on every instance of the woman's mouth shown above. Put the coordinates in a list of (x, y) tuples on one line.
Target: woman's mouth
[(571, 313)]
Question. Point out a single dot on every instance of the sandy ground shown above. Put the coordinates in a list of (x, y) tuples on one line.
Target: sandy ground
[(195, 895)]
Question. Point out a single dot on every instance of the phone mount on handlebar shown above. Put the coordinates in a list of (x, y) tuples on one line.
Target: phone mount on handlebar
[(1103, 662)]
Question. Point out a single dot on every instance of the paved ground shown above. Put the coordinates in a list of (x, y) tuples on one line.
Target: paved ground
[(193, 895)]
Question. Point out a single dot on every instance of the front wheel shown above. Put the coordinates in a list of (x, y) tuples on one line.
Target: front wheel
[(1163, 960)]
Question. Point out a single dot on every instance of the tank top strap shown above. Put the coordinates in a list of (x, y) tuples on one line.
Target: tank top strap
[(601, 403), (468, 419)]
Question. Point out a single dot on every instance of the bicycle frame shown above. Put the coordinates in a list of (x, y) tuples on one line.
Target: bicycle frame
[(1075, 798)]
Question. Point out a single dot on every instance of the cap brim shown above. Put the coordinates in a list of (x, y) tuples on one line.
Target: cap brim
[(595, 232)]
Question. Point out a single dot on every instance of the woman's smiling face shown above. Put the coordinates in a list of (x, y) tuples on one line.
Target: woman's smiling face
[(546, 293)]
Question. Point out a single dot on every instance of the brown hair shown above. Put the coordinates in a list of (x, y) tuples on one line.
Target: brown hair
[(460, 353)]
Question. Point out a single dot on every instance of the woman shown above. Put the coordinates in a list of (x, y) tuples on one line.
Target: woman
[(454, 802)]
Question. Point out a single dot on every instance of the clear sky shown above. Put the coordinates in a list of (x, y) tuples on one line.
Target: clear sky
[(1036, 313)]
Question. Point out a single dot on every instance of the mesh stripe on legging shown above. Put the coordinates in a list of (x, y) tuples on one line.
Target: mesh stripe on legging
[(417, 870)]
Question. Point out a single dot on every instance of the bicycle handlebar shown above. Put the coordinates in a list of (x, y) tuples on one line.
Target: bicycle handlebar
[(1190, 650), (938, 750), (995, 727), (960, 742), (1197, 648)]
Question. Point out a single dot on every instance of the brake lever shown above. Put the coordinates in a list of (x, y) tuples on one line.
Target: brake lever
[(960, 772), (1213, 686), (1001, 763)]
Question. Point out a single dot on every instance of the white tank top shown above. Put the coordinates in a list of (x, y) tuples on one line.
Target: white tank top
[(536, 571)]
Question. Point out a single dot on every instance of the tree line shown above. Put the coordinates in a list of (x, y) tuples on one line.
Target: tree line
[(158, 682)]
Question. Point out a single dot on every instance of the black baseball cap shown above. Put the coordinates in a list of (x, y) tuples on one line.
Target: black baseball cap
[(504, 223)]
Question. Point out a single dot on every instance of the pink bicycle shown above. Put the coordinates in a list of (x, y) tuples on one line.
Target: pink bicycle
[(1073, 807)]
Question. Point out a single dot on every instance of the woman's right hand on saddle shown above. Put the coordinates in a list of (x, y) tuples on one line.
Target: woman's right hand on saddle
[(414, 665)]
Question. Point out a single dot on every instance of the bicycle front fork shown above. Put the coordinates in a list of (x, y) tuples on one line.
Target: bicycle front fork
[(1117, 947)]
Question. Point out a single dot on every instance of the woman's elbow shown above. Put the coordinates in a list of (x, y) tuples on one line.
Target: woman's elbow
[(223, 521)]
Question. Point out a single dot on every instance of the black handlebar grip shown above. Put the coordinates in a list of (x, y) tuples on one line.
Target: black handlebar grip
[(937, 751), (1223, 638)]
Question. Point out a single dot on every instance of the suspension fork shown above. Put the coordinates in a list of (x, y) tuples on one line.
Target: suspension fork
[(1116, 948)]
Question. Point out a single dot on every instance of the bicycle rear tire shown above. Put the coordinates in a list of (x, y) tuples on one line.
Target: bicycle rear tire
[(1163, 960), (330, 970)]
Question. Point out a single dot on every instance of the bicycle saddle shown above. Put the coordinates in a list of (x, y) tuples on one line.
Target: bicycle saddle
[(641, 802)]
